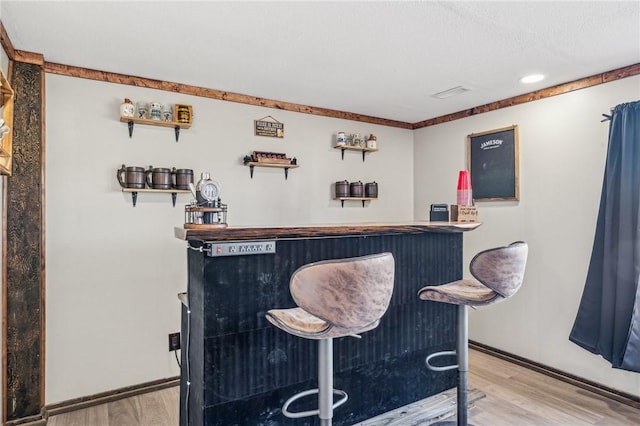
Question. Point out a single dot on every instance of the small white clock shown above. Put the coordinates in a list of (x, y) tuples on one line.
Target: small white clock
[(210, 190)]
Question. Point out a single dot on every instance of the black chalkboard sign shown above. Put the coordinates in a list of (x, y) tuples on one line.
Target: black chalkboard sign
[(492, 158)]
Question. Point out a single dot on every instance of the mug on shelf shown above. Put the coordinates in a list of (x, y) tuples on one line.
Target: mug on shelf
[(159, 178), (131, 177), (183, 177)]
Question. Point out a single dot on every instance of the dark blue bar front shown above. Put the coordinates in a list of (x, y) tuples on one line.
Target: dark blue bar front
[(237, 369)]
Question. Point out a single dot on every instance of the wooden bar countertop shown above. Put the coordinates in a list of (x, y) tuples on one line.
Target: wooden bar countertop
[(319, 231)]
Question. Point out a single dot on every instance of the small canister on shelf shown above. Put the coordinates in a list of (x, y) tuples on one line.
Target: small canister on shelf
[(341, 139), (371, 189), (167, 113), (155, 110), (142, 110), (342, 189), (371, 141), (183, 113), (355, 189), (127, 109)]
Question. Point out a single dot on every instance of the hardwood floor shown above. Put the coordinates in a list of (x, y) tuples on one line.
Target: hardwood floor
[(150, 409), (518, 396), (514, 396)]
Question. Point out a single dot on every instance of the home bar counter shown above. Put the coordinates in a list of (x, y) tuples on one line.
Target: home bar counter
[(237, 369)]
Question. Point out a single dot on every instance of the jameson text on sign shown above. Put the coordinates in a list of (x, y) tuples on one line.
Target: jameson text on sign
[(269, 128)]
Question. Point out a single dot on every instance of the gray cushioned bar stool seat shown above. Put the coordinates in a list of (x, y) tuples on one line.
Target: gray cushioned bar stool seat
[(498, 274), (335, 298)]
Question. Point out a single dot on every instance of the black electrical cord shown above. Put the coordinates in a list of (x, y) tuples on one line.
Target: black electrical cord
[(175, 352)]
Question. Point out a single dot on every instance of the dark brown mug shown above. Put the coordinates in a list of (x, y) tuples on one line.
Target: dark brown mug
[(130, 177), (183, 177), (159, 178)]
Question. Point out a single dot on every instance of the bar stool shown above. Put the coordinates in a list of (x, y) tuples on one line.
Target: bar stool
[(335, 298), (498, 274)]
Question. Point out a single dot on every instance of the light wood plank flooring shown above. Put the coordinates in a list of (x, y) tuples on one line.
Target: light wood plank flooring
[(518, 396), (514, 396), (150, 409)]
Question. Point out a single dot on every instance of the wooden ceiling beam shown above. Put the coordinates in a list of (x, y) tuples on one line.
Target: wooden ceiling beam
[(204, 92), (29, 57)]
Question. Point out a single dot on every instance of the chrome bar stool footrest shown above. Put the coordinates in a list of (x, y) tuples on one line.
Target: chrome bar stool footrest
[(439, 354), (299, 395)]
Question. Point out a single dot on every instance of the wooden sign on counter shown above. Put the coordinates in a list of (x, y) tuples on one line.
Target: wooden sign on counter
[(464, 213)]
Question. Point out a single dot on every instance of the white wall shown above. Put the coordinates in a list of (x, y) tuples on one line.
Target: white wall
[(562, 154), (113, 271)]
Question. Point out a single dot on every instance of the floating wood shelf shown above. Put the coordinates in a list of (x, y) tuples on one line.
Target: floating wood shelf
[(363, 199), (286, 167), (161, 123), (173, 192), (364, 150)]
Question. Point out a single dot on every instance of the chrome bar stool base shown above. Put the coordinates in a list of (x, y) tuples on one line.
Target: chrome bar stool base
[(462, 353), (325, 389), (498, 274), (336, 298)]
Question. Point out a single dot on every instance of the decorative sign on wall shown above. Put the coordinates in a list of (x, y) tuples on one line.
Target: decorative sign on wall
[(269, 126), (492, 158)]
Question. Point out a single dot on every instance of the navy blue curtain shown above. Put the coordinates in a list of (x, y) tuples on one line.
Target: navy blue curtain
[(608, 319)]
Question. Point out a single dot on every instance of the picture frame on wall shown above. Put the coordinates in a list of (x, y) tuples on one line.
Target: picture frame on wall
[(493, 163)]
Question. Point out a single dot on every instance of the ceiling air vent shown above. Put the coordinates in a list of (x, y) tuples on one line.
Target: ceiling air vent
[(450, 92)]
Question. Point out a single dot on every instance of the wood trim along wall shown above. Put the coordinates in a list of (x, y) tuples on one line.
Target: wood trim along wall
[(43, 235), (623, 397), (110, 396), (204, 92), (29, 58), (560, 89), (186, 89), (5, 41), (79, 72)]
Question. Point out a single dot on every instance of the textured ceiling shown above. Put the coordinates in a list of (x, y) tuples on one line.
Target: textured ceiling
[(383, 59)]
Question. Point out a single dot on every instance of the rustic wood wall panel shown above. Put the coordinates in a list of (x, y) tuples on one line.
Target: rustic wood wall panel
[(24, 251)]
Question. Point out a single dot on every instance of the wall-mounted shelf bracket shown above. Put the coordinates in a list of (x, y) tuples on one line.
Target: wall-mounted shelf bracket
[(176, 125), (286, 167), (363, 199), (174, 193), (364, 150)]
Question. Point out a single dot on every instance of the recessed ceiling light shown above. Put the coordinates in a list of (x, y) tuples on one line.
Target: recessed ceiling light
[(450, 92), (532, 78)]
